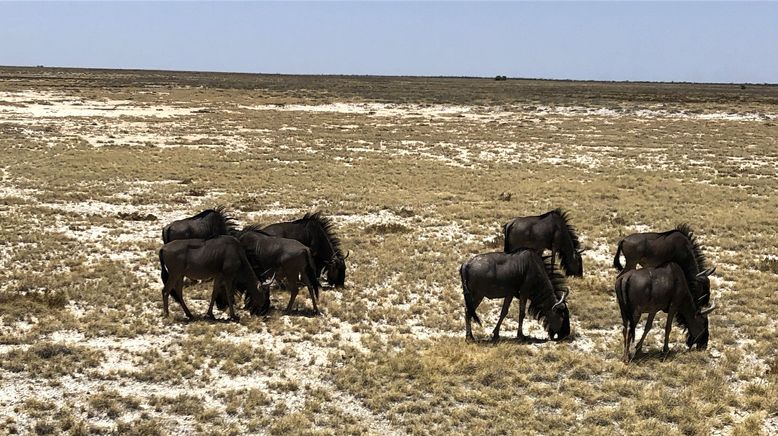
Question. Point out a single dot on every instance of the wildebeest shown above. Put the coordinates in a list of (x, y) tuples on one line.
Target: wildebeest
[(316, 232), (678, 245), (289, 259), (204, 225), (222, 259), (651, 289), (523, 274), (551, 231)]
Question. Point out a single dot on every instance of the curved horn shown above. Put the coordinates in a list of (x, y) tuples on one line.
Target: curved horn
[(271, 279), (561, 300), (708, 310), (580, 250), (348, 253), (706, 273)]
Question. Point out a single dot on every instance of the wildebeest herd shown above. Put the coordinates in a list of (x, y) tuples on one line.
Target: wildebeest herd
[(673, 277), (246, 261)]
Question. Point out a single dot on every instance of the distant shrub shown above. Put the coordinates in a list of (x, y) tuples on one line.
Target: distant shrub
[(500, 78), (768, 264), (384, 228), (135, 216)]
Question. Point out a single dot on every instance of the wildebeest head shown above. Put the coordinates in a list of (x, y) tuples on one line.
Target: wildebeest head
[(336, 271), (558, 320), (700, 336), (573, 264), (698, 331)]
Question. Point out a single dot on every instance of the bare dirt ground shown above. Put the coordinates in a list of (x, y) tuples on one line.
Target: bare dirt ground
[(94, 163)]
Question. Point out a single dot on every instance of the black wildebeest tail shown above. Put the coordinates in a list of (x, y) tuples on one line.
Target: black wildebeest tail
[(310, 271), (469, 305), (622, 295), (163, 268), (616, 260), (506, 230)]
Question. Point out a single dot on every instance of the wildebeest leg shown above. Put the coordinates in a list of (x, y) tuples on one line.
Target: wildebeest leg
[(178, 295), (314, 294), (209, 314), (227, 287), (522, 310), (625, 334), (668, 327), (649, 322), (291, 282), (313, 299), (291, 300), (629, 335), (216, 288), (506, 304), (468, 319), (166, 295)]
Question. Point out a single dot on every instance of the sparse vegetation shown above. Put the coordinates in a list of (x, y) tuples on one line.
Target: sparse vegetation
[(417, 176)]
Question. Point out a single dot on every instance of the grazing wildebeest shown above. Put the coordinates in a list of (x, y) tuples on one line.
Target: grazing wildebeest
[(551, 231), (204, 225), (222, 259), (315, 231), (289, 259), (651, 289), (678, 245), (523, 274)]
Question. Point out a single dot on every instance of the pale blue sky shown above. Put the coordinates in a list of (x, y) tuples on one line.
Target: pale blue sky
[(701, 42)]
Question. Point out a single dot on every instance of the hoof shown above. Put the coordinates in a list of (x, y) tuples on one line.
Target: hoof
[(469, 338), (235, 318)]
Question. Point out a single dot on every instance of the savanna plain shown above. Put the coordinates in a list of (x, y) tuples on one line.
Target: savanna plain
[(418, 174)]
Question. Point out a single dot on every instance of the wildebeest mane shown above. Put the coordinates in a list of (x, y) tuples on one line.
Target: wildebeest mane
[(563, 215), (326, 226), (541, 300), (699, 256), (223, 224)]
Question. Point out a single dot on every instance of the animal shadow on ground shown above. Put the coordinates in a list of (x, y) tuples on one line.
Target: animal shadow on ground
[(512, 340), (216, 320), (645, 356), (305, 312)]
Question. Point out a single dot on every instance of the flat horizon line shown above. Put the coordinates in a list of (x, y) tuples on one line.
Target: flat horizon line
[(399, 76)]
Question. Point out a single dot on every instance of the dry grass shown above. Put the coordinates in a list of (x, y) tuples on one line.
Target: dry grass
[(415, 173)]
